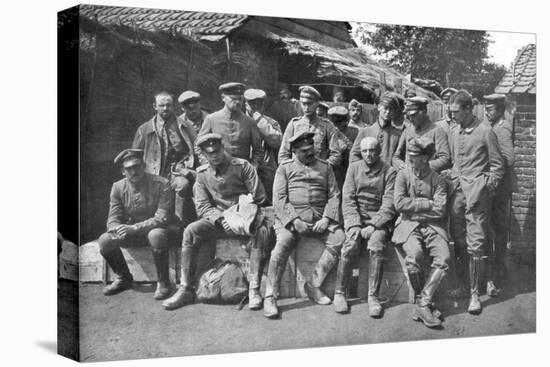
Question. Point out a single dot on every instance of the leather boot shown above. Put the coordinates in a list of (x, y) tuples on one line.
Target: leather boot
[(270, 307), (123, 279), (342, 278), (274, 275), (423, 311), (254, 278), (162, 259), (324, 266), (375, 278), (492, 290), (476, 266), (185, 295), (461, 263)]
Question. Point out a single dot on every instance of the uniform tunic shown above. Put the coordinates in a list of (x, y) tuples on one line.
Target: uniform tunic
[(388, 137), (196, 125), (440, 160), (241, 137), (325, 138)]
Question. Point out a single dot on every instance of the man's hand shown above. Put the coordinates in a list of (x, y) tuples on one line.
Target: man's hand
[(367, 232), (402, 166), (300, 226), (124, 230), (226, 227), (354, 232), (321, 225)]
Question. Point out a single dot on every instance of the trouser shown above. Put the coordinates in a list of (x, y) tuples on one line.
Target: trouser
[(286, 242), (438, 249), (499, 223), (376, 245), (202, 231), (470, 231), (267, 177), (184, 207)]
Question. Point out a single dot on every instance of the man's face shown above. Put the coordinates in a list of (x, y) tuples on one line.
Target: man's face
[(341, 122), (446, 97), (321, 111), (416, 118), (134, 173), (460, 115), (233, 102), (164, 105), (493, 113), (370, 151), (256, 105), (215, 156), (192, 110), (308, 106), (285, 95), (305, 154), (418, 162), (385, 112), (355, 113), (338, 97)]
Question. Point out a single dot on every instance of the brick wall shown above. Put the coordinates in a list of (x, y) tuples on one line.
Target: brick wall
[(523, 221)]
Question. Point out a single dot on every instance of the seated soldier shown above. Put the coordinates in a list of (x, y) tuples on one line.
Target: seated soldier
[(420, 196), (219, 185), (367, 206), (141, 210), (306, 200)]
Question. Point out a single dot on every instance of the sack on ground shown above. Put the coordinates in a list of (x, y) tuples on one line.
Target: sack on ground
[(224, 284)]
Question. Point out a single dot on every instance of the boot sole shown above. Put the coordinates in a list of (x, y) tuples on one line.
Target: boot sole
[(416, 317)]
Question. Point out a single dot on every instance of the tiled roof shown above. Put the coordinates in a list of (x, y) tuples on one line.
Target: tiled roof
[(522, 76), (206, 26)]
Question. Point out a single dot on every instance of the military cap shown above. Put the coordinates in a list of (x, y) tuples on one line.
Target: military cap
[(309, 92), (415, 103), (446, 91), (354, 103), (252, 94), (189, 96), (208, 141), (129, 157), (338, 111), (411, 92), (232, 88), (324, 105), (389, 100), (420, 146), (301, 139), (496, 99)]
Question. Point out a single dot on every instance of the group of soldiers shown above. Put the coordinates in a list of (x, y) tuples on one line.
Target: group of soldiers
[(357, 187)]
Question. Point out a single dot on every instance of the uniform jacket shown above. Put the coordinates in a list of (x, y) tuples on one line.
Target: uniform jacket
[(217, 190), (504, 132), (345, 141), (478, 165), (412, 200), (306, 192), (368, 195), (325, 138), (241, 137), (196, 126), (442, 157), (388, 137), (149, 206), (147, 139), (271, 134)]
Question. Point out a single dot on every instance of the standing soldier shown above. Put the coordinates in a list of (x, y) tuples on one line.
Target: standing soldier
[(306, 200), (500, 212), (446, 123), (338, 115), (368, 211), (271, 134), (477, 171), (383, 130), (421, 199), (140, 211), (241, 137), (326, 134), (190, 103), (355, 110), (422, 126), (218, 187), (167, 142), (285, 108)]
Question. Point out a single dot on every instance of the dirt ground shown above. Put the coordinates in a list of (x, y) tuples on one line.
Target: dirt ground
[(132, 325)]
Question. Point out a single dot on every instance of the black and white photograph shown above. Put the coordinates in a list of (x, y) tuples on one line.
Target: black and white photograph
[(234, 181)]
